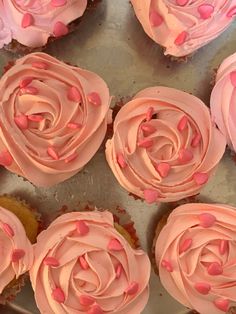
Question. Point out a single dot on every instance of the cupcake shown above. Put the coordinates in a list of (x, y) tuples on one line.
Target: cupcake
[(195, 253), (18, 229), (223, 100), (183, 26), (26, 25), (164, 146), (84, 265), (53, 118)]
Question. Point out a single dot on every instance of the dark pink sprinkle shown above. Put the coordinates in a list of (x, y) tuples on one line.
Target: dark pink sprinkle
[(206, 220), (6, 159), (205, 11), (222, 304), (232, 12), (51, 261), (25, 82), (215, 269), (196, 140), (74, 126), (132, 288), (86, 300), (72, 157), (181, 38), (29, 90), (224, 246), (233, 78), (27, 20), (182, 123), (150, 195), (182, 2), (95, 309), (155, 19), (163, 169), (148, 129), (118, 271), (21, 121), (149, 114), (185, 155), (184, 246), (115, 245), (58, 295), (60, 29), (167, 265), (74, 94), (52, 153), (8, 230), (202, 287), (58, 3), (40, 65), (35, 117), (145, 143), (121, 160), (17, 254), (94, 99), (82, 227), (200, 178), (83, 263)]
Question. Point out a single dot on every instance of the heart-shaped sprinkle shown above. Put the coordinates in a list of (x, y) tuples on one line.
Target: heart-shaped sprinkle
[(58, 3), (163, 169), (181, 38), (58, 295), (150, 195), (17, 254), (232, 12), (40, 65), (94, 99), (71, 157), (205, 11), (21, 121), (121, 160), (52, 153), (132, 288), (30, 90), (118, 271), (233, 78), (215, 269), (6, 159), (74, 94), (27, 20), (181, 2), (60, 29), (74, 126), (82, 228), (182, 123), (185, 155), (145, 143), (8, 230), (25, 82), (200, 178), (86, 300), (95, 309), (196, 140), (167, 265), (115, 245), (202, 287), (51, 261), (185, 245), (224, 247), (83, 263), (149, 114), (148, 129), (155, 19), (35, 117), (222, 304), (206, 220)]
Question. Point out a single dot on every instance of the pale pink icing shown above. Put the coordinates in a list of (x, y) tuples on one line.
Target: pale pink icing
[(223, 100), (191, 267), (165, 20), (44, 14), (63, 242), (29, 146), (18, 240), (138, 173)]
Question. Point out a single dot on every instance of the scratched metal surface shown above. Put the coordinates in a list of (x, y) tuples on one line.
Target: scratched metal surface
[(111, 42)]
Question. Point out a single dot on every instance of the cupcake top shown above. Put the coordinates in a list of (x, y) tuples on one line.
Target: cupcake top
[(84, 265), (183, 26), (164, 146), (223, 100), (196, 256), (32, 22), (16, 249), (53, 118)]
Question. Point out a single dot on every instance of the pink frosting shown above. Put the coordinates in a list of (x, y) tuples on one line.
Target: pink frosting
[(196, 256), (164, 146), (13, 241), (223, 100), (43, 16), (53, 118), (183, 26), (82, 263)]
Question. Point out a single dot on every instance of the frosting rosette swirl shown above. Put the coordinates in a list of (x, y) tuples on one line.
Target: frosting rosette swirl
[(53, 118), (183, 26), (16, 249), (32, 22), (164, 146), (83, 265), (196, 256), (223, 99)]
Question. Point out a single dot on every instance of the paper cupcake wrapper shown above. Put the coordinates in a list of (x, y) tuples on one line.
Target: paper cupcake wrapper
[(12, 289)]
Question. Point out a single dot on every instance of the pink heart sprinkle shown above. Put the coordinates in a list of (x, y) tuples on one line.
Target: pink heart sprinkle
[(83, 263), (200, 178), (74, 126), (6, 159), (115, 245), (222, 304), (206, 220), (214, 269), (58, 295), (95, 309), (163, 169), (21, 121), (51, 261), (35, 117), (30, 90), (74, 94), (27, 20), (118, 271), (132, 288), (185, 245), (185, 155), (202, 287), (205, 11), (25, 82), (148, 129), (52, 153), (145, 143), (232, 12), (8, 230), (17, 254), (149, 114), (167, 265), (196, 140), (181, 38), (121, 160), (72, 157), (58, 3), (233, 78), (40, 65), (182, 123), (224, 246), (60, 29), (86, 300), (182, 2), (155, 19), (94, 99), (150, 196), (82, 228)]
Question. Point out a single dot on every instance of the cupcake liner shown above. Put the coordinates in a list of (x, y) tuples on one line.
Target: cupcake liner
[(12, 289)]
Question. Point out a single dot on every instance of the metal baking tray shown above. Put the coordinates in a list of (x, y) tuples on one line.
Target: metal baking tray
[(111, 42)]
